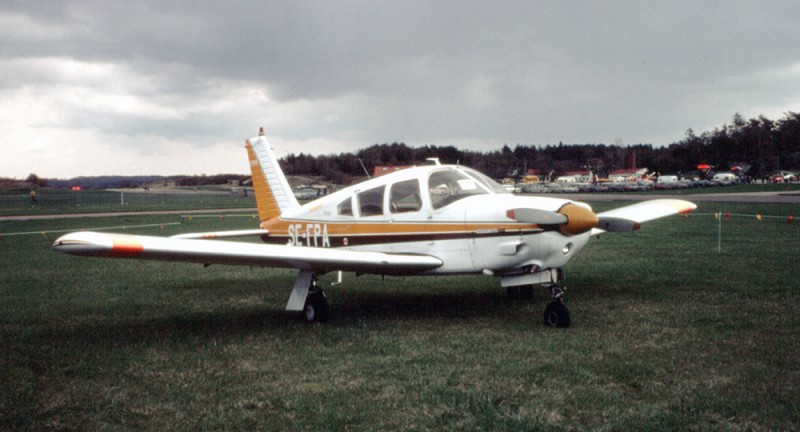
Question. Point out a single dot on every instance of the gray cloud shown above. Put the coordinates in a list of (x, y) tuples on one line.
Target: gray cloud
[(438, 72)]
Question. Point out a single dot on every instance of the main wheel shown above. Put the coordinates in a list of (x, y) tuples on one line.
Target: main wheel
[(316, 308), (556, 314)]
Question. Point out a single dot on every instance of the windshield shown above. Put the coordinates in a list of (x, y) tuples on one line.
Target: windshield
[(486, 181), (449, 185)]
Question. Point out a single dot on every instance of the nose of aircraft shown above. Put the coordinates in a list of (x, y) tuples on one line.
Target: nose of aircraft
[(579, 219)]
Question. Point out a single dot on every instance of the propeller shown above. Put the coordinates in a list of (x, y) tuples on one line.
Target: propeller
[(571, 218), (536, 216), (617, 224)]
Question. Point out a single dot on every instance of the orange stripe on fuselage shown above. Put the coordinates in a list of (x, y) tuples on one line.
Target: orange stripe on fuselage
[(407, 231)]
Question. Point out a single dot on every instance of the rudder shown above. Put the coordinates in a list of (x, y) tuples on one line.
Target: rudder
[(272, 191)]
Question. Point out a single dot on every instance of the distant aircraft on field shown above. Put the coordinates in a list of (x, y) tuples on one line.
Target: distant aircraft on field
[(423, 221)]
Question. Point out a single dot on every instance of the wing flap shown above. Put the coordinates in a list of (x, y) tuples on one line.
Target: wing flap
[(222, 234), (629, 218), (109, 245)]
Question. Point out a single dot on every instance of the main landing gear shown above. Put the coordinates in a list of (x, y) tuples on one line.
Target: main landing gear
[(316, 307), (556, 313), (308, 299)]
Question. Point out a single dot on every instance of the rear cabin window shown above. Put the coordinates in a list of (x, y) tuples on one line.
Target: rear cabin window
[(370, 202), (404, 197)]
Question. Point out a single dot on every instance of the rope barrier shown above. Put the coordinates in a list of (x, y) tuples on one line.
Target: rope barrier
[(717, 215), (222, 216), (758, 216), (122, 227)]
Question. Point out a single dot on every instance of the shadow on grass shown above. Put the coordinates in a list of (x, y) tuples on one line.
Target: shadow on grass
[(347, 309)]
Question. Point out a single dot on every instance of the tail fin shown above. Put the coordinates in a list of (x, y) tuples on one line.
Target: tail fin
[(273, 194)]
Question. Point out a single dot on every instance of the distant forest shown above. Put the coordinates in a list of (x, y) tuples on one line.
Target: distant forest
[(760, 146)]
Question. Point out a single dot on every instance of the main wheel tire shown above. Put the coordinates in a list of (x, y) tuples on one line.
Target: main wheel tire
[(316, 308), (556, 314)]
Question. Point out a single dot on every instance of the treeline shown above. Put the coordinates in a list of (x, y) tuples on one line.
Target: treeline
[(125, 182), (760, 146)]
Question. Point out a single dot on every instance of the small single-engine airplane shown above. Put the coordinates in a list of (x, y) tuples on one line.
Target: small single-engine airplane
[(427, 220)]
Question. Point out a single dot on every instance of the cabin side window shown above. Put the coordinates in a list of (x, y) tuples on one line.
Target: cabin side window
[(404, 197), (345, 208), (370, 202)]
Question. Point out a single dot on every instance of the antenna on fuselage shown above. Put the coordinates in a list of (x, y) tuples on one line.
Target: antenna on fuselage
[(365, 168)]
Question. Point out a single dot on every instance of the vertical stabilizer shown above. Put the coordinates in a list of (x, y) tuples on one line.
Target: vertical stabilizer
[(273, 194)]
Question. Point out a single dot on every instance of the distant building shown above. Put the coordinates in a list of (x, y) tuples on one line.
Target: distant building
[(386, 169), (629, 174), (575, 177)]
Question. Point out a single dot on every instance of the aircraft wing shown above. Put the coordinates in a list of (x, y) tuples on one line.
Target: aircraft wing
[(87, 243), (629, 218)]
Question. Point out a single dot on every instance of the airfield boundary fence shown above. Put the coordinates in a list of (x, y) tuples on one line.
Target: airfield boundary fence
[(183, 219), (719, 216)]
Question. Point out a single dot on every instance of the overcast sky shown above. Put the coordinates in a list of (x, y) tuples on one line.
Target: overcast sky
[(175, 87)]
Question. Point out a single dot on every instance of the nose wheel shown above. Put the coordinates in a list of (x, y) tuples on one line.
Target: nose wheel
[(556, 313)]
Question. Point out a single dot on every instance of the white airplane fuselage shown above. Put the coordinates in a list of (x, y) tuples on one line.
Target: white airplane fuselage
[(473, 234)]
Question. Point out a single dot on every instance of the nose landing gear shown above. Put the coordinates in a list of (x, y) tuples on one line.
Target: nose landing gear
[(556, 313)]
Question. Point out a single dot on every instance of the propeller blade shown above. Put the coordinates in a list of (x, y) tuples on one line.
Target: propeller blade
[(536, 216), (617, 224)]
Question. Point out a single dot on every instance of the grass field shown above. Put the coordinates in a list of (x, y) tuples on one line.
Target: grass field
[(667, 335)]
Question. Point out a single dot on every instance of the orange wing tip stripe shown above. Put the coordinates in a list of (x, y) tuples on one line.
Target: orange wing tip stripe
[(126, 246)]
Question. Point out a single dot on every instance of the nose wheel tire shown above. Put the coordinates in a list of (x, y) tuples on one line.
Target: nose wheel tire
[(556, 314)]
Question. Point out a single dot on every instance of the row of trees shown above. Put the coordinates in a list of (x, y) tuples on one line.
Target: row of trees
[(761, 144), (117, 182)]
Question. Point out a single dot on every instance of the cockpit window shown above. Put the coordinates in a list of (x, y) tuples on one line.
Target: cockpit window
[(448, 186), (404, 197)]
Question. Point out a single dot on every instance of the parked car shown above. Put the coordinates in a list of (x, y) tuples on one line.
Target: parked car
[(724, 178)]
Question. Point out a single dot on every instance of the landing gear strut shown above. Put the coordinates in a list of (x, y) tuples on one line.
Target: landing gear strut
[(556, 313), (308, 299)]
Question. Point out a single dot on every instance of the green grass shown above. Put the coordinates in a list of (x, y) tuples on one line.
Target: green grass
[(667, 335)]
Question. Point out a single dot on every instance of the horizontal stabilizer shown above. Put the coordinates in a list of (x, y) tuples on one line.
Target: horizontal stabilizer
[(87, 243), (629, 218)]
